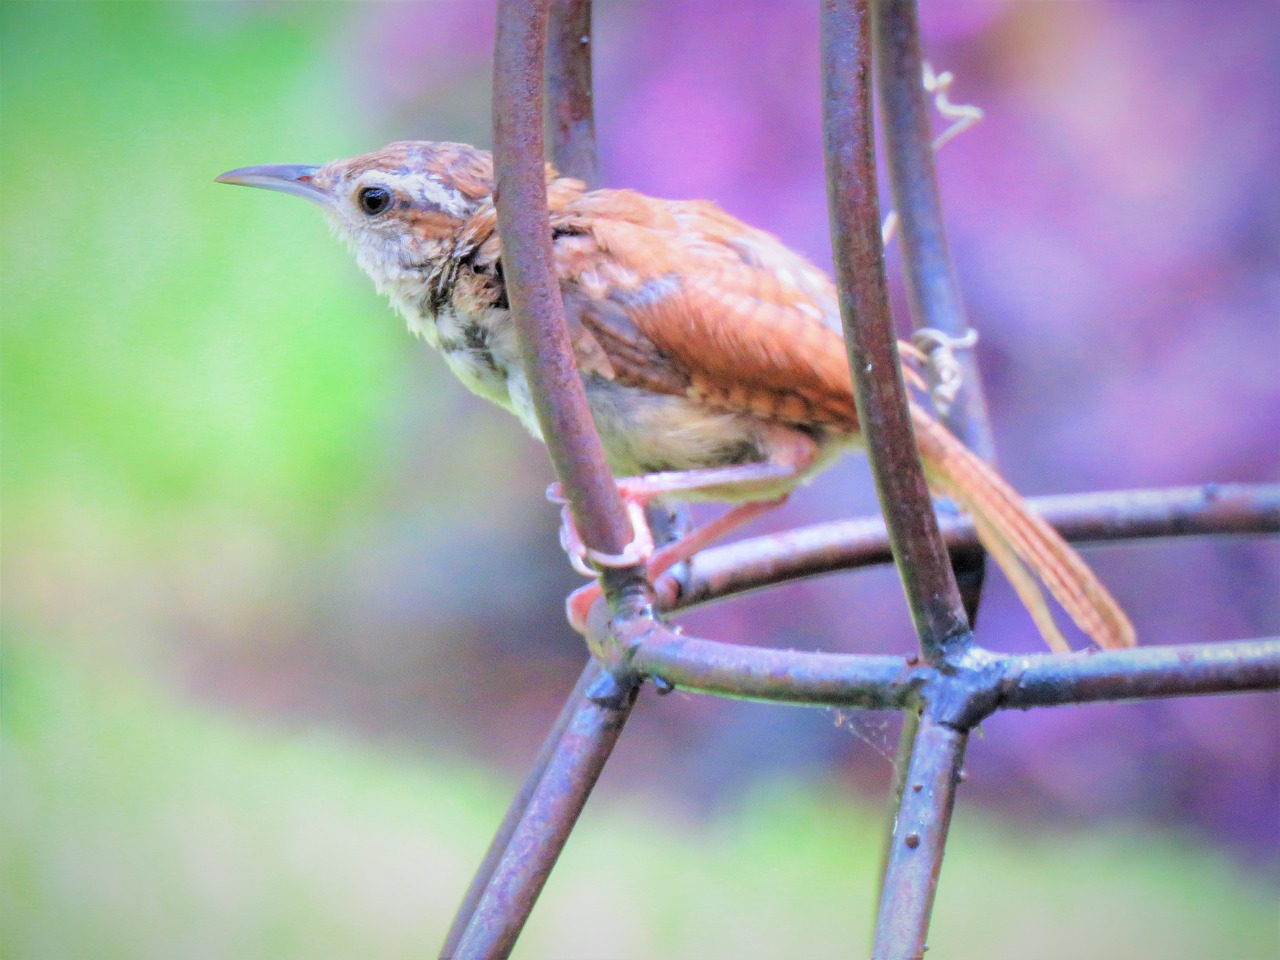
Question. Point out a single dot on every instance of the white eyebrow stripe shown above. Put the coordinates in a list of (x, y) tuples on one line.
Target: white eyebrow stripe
[(441, 195)]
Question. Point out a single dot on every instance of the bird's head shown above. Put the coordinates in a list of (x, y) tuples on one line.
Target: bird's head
[(401, 209)]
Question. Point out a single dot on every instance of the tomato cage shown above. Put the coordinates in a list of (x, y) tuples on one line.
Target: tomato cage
[(951, 684)]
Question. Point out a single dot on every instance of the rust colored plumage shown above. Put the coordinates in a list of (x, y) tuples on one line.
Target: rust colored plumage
[(711, 354)]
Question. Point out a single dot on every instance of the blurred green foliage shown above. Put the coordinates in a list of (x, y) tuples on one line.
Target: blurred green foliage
[(146, 371)]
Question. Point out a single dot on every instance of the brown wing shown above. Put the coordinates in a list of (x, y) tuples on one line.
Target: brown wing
[(682, 298)]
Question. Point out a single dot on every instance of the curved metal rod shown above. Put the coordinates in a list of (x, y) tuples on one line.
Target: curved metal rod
[(542, 817), (534, 846), (520, 192), (1049, 681), (570, 105), (1215, 509), (849, 147), (919, 839), (516, 811), (779, 676), (965, 691), (573, 152), (933, 292)]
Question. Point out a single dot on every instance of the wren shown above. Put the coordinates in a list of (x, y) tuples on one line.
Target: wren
[(711, 354)]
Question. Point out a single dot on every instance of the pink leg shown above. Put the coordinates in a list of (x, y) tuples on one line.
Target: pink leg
[(702, 537), (579, 603), (791, 453)]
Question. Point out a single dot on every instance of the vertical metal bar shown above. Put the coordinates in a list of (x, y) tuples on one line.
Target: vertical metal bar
[(573, 764), (516, 811), (919, 840), (573, 152), (520, 194), (925, 567), (933, 293), (570, 104), (901, 761), (538, 838)]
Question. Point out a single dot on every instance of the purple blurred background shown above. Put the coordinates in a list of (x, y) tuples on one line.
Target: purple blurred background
[(1115, 222)]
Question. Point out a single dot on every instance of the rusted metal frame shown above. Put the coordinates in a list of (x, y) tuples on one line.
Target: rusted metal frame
[(933, 292), (516, 810), (907, 734), (573, 153), (919, 839), (570, 106), (520, 194), (544, 814), (572, 149), (966, 689), (571, 128), (736, 568), (780, 676), (924, 564), (849, 145), (1230, 667), (543, 830)]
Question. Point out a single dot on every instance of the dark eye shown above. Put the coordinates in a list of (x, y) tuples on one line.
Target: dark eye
[(374, 200)]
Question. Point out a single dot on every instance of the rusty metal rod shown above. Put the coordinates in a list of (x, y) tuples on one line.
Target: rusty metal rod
[(922, 558), (1046, 681), (1110, 517), (516, 810), (570, 104), (573, 152), (779, 676), (933, 291), (575, 762), (520, 195), (919, 840), (901, 761), (994, 681), (549, 818)]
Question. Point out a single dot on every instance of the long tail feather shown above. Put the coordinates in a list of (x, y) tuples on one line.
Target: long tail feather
[(1020, 541)]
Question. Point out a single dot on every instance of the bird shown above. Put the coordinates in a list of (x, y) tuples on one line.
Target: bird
[(711, 354)]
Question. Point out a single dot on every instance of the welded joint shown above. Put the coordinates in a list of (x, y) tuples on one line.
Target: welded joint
[(965, 690), (613, 639)]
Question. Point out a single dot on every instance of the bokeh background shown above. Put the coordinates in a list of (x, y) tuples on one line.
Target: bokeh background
[(281, 609)]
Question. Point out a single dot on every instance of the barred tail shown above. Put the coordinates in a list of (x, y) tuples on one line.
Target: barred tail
[(1021, 542)]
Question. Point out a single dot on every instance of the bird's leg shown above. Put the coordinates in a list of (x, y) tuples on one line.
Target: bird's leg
[(708, 533), (638, 492), (779, 473), (579, 603)]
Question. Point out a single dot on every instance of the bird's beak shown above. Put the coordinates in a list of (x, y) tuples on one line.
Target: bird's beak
[(295, 178)]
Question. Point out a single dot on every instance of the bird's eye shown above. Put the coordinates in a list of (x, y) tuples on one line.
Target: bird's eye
[(374, 200)]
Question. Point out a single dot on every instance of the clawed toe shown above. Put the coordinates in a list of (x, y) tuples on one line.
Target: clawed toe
[(577, 606), (637, 551)]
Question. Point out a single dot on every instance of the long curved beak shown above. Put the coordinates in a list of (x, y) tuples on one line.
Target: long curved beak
[(294, 178)]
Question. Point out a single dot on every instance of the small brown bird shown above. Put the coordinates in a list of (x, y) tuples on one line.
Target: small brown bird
[(711, 354)]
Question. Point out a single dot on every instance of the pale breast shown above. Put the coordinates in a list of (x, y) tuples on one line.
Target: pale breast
[(479, 350), (646, 432)]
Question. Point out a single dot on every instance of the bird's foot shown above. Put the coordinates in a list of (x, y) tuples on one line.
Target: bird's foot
[(577, 606), (638, 550)]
